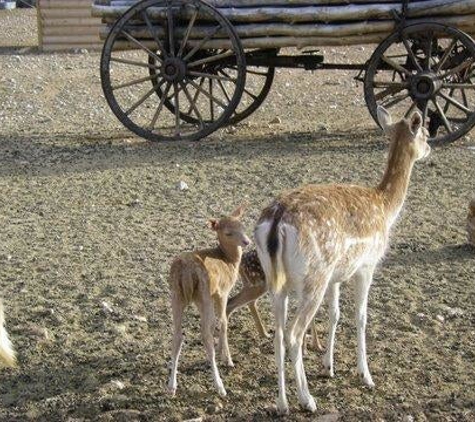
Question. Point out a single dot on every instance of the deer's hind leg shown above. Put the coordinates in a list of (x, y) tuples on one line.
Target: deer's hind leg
[(178, 307), (311, 297)]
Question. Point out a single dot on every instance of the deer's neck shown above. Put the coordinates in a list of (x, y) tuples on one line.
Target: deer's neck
[(232, 254), (395, 182)]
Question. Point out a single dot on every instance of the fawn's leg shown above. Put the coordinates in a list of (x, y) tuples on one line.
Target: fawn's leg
[(249, 295), (315, 339), (310, 301), (280, 317), (223, 332), (177, 311), (257, 319), (334, 315), (363, 278), (206, 309)]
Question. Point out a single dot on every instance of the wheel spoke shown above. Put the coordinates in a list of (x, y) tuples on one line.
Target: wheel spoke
[(455, 103), (160, 105), (428, 52), (410, 109), (187, 33), (133, 63), (177, 109), (207, 94), (446, 55), (211, 107), (221, 85), (140, 45), (411, 54), (196, 95), (212, 58), (459, 86), (253, 96), (395, 65), (392, 88), (153, 31), (211, 76), (171, 29), (442, 115), (396, 100), (457, 69), (201, 44), (135, 82), (143, 98), (192, 104)]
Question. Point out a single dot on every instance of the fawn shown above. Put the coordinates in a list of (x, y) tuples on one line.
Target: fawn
[(205, 277), (471, 223), (7, 354), (253, 287), (313, 238)]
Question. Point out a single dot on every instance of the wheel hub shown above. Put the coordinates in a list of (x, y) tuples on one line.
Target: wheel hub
[(424, 86), (174, 69)]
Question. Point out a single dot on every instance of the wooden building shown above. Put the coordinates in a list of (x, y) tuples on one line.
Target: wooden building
[(67, 25)]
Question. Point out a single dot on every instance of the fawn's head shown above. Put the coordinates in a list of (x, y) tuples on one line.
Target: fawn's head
[(408, 134), (230, 230)]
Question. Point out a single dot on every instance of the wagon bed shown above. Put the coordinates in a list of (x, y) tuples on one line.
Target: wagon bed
[(176, 69)]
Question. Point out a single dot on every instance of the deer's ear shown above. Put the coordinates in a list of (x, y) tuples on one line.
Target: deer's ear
[(239, 211), (213, 224), (416, 122), (384, 119)]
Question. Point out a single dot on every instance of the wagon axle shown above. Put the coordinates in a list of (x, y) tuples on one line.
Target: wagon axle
[(424, 86), (174, 69)]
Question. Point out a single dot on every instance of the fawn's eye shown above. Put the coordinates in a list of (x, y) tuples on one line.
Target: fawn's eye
[(228, 234)]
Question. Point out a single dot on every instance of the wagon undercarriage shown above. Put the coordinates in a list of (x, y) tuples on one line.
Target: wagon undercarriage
[(176, 69)]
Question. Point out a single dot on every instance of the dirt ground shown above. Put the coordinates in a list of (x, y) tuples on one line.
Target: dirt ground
[(92, 215)]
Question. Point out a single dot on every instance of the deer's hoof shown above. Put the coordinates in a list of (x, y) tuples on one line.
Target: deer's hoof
[(309, 404)]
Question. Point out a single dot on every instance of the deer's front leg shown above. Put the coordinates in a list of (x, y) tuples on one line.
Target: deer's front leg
[(223, 346)]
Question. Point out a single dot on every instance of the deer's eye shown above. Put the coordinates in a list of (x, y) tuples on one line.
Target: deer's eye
[(228, 234)]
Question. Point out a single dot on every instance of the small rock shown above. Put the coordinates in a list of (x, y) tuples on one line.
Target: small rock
[(119, 329), (408, 418), (275, 121), (214, 408), (106, 308), (440, 318), (140, 318), (118, 384), (329, 417), (421, 315), (200, 419), (135, 203), (182, 185)]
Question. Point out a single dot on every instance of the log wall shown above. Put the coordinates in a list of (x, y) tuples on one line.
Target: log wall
[(67, 25)]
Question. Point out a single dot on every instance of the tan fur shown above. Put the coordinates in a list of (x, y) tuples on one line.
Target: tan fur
[(313, 238), (471, 223), (205, 278), (7, 354)]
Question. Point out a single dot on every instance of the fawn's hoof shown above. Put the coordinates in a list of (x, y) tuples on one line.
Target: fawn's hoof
[(222, 391), (171, 391), (327, 371), (368, 381)]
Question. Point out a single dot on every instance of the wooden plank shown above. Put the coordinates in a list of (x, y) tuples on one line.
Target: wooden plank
[(69, 47), (50, 22), (65, 4), (66, 13), (70, 39), (72, 30)]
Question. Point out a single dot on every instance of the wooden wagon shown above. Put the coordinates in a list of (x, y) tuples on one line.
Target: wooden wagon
[(180, 69)]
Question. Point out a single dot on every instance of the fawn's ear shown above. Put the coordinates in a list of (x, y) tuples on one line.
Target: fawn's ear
[(415, 123), (239, 211), (213, 224), (384, 119)]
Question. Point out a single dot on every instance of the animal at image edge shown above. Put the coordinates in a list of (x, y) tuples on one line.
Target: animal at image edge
[(471, 223), (312, 239), (7, 354), (205, 278)]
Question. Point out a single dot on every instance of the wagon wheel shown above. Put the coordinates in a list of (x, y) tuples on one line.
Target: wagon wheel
[(171, 38), (258, 83), (429, 67)]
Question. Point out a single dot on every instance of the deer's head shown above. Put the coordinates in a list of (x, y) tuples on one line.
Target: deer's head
[(409, 134), (230, 230)]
